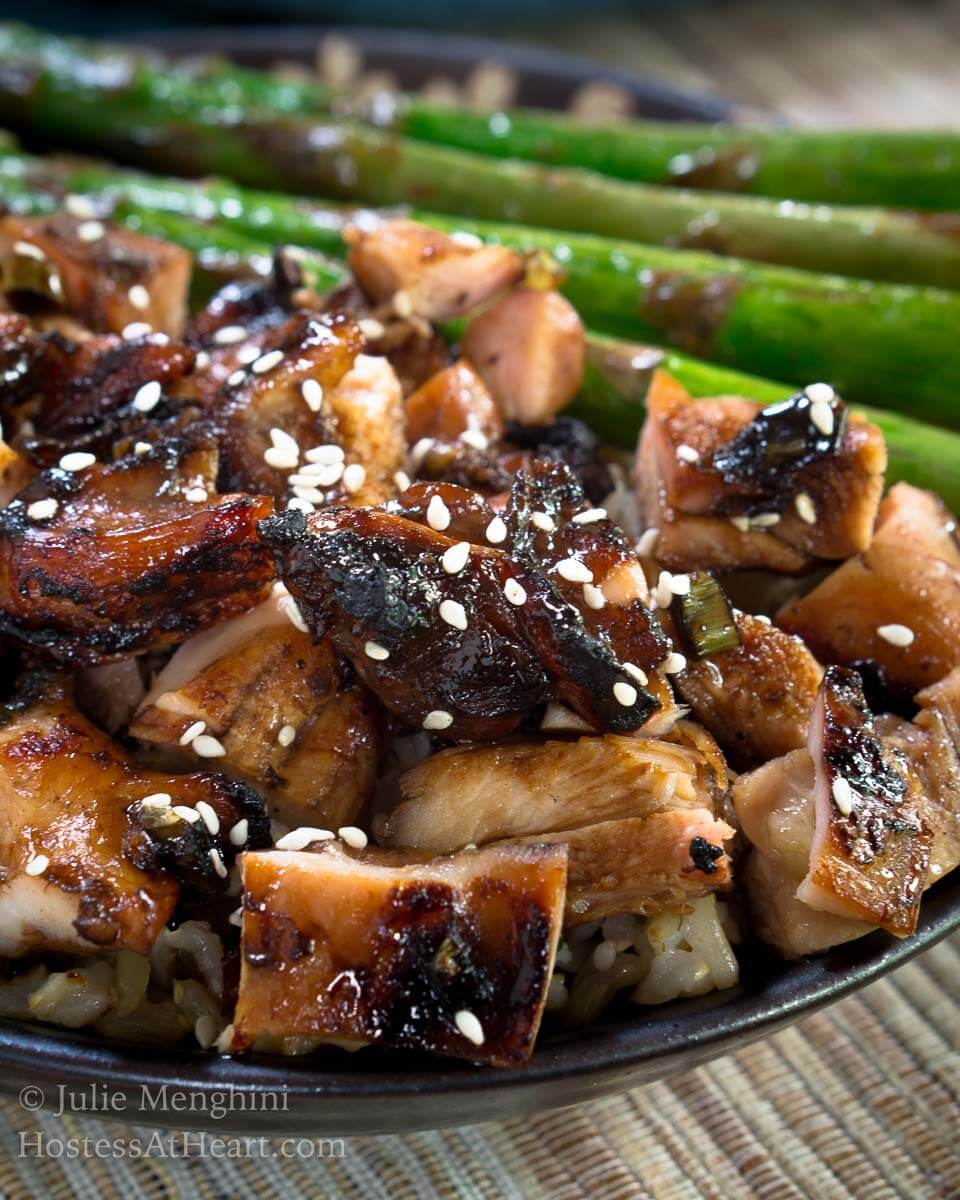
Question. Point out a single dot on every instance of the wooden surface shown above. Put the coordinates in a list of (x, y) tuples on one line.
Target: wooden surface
[(814, 62)]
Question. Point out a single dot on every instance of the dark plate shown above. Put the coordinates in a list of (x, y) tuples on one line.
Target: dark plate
[(372, 1092)]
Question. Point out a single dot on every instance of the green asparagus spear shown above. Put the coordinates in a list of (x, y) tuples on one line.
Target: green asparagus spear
[(892, 346), (170, 123), (912, 169)]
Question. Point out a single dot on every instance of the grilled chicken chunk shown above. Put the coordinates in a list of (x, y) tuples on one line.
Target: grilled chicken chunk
[(530, 350), (87, 861), (479, 794), (287, 711), (450, 404), (463, 637), (756, 699), (642, 864), (106, 276), (451, 956), (898, 603), (117, 558), (732, 486), (439, 276)]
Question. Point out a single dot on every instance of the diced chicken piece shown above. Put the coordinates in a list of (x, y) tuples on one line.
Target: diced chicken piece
[(478, 794), (530, 351), (732, 486), (756, 699), (450, 404), (463, 637), (88, 861), (106, 276), (451, 956), (121, 557), (642, 864), (897, 603), (439, 276), (366, 411), (290, 716), (109, 694)]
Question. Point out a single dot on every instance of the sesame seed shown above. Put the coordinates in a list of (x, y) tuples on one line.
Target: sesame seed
[(139, 297), (842, 794), (674, 663), (55, 284), (896, 635), (496, 532), (286, 735), (322, 474), (327, 456), (806, 509), (78, 460), (312, 393), (218, 864), (371, 329), (196, 495), (239, 832), (186, 813), (248, 354), (680, 585), (543, 521), (205, 746), (375, 651), (515, 592), (468, 241), (456, 557), (819, 393), (604, 956), (191, 732), (469, 1026), (624, 693), (266, 362), (765, 520), (236, 917), (79, 206), (299, 839), (202, 361), (574, 570), (420, 451), (284, 454), (42, 510), (237, 377), (821, 415), (292, 610), (90, 231), (687, 454), (353, 836), (591, 515), (229, 335), (141, 448), (453, 613), (28, 250), (438, 719), (475, 439), (438, 515), (593, 596), (147, 397), (647, 541), (157, 800), (663, 592), (762, 618), (209, 817), (402, 304), (401, 480), (740, 522), (354, 477), (37, 864), (136, 329), (636, 673), (299, 504)]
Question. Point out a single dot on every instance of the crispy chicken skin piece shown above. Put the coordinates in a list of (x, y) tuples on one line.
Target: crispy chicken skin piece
[(71, 800), (704, 479), (909, 577), (530, 349), (480, 794), (756, 699), (106, 276), (439, 276), (470, 646), (642, 864), (452, 956), (292, 718), (126, 560)]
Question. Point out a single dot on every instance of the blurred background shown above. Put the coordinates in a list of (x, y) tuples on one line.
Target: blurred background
[(875, 62)]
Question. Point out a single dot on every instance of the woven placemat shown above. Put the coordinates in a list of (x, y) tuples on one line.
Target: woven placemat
[(860, 1102)]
